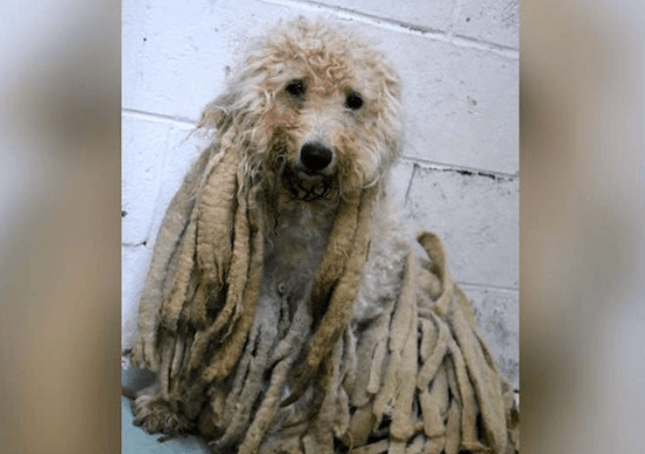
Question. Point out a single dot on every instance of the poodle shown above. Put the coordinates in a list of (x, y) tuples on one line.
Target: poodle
[(286, 308)]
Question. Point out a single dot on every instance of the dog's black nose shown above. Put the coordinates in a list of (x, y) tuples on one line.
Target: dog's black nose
[(315, 156)]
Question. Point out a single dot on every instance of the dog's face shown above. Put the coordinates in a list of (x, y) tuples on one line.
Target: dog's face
[(317, 107)]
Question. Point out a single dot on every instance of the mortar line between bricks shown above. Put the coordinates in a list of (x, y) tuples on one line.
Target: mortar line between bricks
[(415, 166), (141, 114), (135, 245), (467, 41), (400, 26), (489, 286), (425, 163)]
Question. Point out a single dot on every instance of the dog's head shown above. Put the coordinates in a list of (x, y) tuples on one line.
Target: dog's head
[(314, 106)]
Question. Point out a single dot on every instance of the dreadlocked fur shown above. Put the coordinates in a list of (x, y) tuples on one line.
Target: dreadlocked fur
[(364, 346)]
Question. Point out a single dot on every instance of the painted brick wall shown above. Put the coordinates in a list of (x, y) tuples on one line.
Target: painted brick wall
[(458, 61)]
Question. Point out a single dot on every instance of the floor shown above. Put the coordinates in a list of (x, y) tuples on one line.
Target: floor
[(135, 440)]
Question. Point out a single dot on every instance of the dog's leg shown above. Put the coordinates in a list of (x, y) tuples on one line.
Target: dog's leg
[(128, 392), (156, 415)]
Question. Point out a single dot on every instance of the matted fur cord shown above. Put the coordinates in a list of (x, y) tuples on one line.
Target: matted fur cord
[(426, 376)]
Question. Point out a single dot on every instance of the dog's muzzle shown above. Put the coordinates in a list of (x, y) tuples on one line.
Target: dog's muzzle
[(306, 188), (311, 179)]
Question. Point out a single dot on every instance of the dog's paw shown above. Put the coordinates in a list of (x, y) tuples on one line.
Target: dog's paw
[(155, 415)]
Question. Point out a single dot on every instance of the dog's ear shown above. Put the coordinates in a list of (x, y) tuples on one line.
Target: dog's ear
[(242, 104), (218, 113), (391, 126)]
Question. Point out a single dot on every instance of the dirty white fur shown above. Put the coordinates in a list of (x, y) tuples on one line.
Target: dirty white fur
[(315, 118)]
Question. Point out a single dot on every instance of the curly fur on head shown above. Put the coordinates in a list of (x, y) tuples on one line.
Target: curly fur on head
[(302, 84), (284, 309)]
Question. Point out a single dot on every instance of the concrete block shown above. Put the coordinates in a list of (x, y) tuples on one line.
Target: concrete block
[(135, 261), (426, 15), (464, 111), (144, 144), (497, 312), (494, 21), (177, 55), (477, 218)]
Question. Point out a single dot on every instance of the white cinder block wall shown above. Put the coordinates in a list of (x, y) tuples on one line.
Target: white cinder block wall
[(458, 61)]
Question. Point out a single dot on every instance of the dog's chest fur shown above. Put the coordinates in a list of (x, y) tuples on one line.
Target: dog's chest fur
[(294, 249)]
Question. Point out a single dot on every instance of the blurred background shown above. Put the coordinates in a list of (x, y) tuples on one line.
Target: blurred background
[(582, 211)]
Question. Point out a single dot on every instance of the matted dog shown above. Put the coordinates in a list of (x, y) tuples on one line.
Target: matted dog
[(286, 309)]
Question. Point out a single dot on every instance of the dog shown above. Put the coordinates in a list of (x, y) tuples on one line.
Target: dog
[(286, 308)]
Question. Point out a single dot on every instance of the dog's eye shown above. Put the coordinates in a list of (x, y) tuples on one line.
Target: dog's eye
[(296, 88), (354, 101)]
